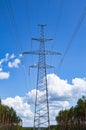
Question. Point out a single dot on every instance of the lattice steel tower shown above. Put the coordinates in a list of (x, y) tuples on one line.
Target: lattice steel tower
[(41, 115)]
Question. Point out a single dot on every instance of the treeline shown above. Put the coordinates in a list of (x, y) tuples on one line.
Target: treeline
[(27, 128), (73, 118), (9, 119)]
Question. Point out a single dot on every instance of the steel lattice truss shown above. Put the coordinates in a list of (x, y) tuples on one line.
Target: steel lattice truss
[(41, 115)]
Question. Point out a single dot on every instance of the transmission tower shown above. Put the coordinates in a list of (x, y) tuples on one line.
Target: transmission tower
[(41, 115)]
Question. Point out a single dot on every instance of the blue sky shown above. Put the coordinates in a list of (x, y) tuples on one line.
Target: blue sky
[(18, 24)]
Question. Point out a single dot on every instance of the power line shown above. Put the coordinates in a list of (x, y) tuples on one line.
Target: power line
[(12, 19), (17, 36), (60, 14), (58, 21), (81, 19), (27, 10), (13, 23)]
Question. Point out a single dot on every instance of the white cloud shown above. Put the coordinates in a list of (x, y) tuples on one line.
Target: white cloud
[(58, 88), (7, 56), (5, 59), (60, 95), (55, 107), (27, 122), (59, 104), (4, 75), (12, 56), (80, 83), (22, 108), (10, 60), (31, 96), (0, 69), (14, 64), (79, 87), (20, 55)]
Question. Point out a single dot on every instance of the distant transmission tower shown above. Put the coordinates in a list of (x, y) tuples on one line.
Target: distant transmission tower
[(41, 115)]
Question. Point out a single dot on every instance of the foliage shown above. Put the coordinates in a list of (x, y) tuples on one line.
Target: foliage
[(27, 128), (9, 119), (74, 118)]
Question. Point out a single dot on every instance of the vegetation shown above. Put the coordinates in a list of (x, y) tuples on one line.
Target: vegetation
[(9, 119), (74, 118), (27, 128), (71, 119)]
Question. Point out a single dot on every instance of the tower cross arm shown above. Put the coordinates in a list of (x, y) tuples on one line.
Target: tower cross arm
[(42, 39), (52, 53), (36, 66), (31, 52), (44, 52)]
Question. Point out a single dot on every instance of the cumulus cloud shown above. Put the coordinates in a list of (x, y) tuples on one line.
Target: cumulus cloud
[(20, 55), (58, 88), (8, 61), (11, 61), (79, 87), (59, 104), (0, 69), (31, 96), (55, 107), (12, 56), (14, 64), (22, 108), (60, 94), (4, 75), (5, 59)]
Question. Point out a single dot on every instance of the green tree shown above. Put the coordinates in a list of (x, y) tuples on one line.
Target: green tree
[(8, 118), (73, 118)]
